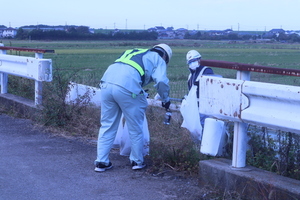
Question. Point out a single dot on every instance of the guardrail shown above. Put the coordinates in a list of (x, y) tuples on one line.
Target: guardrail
[(35, 68), (243, 101)]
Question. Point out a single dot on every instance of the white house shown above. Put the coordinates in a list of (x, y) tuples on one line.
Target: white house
[(9, 32)]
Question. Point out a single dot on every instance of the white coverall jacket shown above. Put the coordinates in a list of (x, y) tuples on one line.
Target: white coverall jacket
[(121, 92)]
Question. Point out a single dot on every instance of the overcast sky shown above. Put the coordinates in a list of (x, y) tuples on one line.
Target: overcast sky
[(143, 14)]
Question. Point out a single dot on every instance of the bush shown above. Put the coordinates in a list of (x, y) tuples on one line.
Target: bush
[(275, 151), (77, 118)]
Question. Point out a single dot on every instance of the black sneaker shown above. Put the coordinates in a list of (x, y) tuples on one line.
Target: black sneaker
[(135, 166), (101, 167)]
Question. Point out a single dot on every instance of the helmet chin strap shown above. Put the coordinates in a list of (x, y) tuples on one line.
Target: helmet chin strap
[(162, 53)]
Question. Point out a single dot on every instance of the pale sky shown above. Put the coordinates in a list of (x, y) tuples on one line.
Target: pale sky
[(255, 15)]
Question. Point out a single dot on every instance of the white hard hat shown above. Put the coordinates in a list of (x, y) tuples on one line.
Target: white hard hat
[(167, 49), (192, 56)]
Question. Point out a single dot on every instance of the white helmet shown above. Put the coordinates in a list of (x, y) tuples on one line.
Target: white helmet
[(192, 56), (167, 49)]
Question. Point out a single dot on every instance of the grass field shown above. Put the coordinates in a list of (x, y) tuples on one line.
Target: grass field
[(91, 58)]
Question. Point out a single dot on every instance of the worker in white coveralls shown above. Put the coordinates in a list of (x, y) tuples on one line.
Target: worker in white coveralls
[(122, 92), (193, 58)]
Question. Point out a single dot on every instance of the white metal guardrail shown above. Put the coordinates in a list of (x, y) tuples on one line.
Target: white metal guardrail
[(269, 105), (35, 68), (243, 101)]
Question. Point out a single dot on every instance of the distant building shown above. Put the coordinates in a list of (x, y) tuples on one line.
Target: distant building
[(180, 33), (2, 28), (277, 31), (159, 28), (216, 32), (9, 33)]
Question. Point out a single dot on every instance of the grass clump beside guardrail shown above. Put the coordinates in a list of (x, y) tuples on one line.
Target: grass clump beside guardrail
[(77, 118), (171, 147)]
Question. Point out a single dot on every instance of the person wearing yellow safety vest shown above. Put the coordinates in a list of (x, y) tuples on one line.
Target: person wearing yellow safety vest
[(122, 92)]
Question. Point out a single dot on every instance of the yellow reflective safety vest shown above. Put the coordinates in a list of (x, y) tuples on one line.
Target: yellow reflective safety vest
[(134, 58)]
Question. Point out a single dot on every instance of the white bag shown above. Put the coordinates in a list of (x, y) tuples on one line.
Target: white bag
[(190, 113), (214, 137), (123, 140)]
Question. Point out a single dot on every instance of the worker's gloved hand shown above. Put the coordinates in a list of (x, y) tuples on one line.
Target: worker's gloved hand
[(166, 105)]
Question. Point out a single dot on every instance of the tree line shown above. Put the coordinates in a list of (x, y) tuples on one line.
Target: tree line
[(83, 33), (281, 37)]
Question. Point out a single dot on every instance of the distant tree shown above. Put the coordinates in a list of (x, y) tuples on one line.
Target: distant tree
[(194, 36), (294, 38), (281, 37), (72, 30), (36, 34), (83, 30), (21, 34), (233, 36), (187, 35)]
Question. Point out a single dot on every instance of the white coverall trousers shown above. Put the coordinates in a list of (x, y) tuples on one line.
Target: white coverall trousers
[(116, 100)]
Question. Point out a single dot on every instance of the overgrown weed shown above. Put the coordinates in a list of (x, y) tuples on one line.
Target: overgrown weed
[(78, 118), (171, 147), (274, 151)]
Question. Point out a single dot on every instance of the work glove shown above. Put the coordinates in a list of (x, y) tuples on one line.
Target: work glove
[(166, 105)]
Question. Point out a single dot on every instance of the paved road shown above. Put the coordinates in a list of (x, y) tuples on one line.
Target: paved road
[(38, 165)]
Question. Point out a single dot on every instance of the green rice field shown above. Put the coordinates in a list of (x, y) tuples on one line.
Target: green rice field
[(91, 58)]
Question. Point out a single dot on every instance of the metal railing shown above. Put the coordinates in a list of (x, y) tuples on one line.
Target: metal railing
[(35, 68), (243, 101)]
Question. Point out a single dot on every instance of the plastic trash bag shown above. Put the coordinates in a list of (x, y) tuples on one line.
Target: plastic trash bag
[(123, 140), (214, 137), (190, 113)]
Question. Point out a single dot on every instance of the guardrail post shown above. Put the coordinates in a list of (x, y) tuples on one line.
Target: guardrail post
[(3, 76), (38, 85), (240, 139), (4, 81)]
